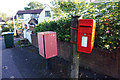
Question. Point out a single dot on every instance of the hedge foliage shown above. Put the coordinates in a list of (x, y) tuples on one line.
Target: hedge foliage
[(61, 26), (10, 27), (5, 29), (107, 25)]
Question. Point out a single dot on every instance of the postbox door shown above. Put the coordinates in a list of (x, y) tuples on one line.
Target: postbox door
[(84, 42), (50, 45)]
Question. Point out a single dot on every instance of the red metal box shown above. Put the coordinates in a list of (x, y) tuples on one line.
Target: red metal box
[(86, 34), (47, 44)]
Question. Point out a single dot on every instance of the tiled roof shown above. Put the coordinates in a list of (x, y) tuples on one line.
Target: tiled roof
[(37, 11)]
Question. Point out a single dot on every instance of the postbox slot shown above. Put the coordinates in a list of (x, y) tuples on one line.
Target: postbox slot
[(85, 30), (85, 25)]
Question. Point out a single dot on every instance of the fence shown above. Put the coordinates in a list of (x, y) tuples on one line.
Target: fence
[(27, 34)]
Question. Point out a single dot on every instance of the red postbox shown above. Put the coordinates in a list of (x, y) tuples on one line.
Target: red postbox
[(86, 35), (47, 44)]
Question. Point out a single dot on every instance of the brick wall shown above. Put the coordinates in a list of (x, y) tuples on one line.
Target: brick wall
[(118, 54), (34, 40), (63, 49), (102, 61)]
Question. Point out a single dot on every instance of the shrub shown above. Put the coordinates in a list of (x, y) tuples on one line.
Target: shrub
[(107, 25), (5, 29), (107, 18), (11, 27), (61, 26)]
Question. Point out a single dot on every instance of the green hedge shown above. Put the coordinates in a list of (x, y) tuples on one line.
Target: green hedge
[(61, 26), (10, 27), (5, 29), (107, 26), (107, 32)]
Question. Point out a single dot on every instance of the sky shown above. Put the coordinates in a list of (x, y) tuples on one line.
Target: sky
[(12, 6)]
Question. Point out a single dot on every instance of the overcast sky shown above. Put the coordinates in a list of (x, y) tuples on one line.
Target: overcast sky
[(12, 6)]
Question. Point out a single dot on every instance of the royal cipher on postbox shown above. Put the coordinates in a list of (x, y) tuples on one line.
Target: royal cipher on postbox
[(86, 35)]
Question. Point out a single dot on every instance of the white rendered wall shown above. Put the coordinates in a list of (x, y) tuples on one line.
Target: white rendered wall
[(42, 17), (27, 18)]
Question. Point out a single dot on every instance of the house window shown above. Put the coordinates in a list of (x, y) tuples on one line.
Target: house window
[(21, 16), (34, 15), (47, 14)]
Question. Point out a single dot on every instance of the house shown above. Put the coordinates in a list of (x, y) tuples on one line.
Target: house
[(39, 14), (33, 17)]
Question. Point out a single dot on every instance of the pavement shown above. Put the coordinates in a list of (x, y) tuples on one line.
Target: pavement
[(26, 63), (0, 58), (22, 63)]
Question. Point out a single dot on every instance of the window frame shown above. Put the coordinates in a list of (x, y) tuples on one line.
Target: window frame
[(21, 16), (47, 14)]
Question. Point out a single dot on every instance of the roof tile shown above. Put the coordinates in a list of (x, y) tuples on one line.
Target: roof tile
[(37, 11)]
